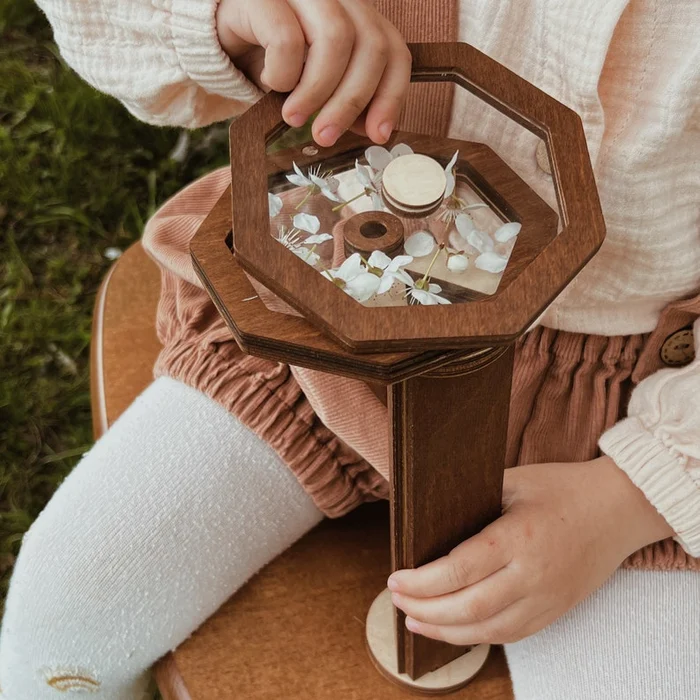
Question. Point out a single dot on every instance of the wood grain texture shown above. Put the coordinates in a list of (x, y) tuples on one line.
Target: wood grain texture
[(492, 321), (449, 431), (281, 337), (124, 345), (297, 630)]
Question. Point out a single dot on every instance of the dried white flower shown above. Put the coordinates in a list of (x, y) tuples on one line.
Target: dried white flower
[(354, 279), (315, 182), (388, 270), (426, 293)]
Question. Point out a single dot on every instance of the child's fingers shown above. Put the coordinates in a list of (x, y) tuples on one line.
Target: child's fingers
[(473, 560), (330, 34), (509, 625), (389, 98), (467, 606), (355, 90), (279, 33)]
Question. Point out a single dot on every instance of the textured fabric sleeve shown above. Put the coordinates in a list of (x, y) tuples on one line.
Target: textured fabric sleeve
[(160, 58), (658, 446)]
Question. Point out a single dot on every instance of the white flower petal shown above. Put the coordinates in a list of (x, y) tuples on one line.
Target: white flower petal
[(478, 205), (377, 202), (450, 186), (434, 288), (420, 244), (351, 267), (457, 263), (306, 222), (328, 194), (297, 170), (297, 180), (364, 174), (386, 282), (378, 157), (507, 231), (274, 204), (306, 255), (464, 225), (491, 262), (451, 164), (399, 261), (318, 238), (318, 181), (363, 286), (379, 259), (481, 241), (401, 149)]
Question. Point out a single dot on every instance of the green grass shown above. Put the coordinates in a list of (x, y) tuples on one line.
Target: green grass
[(78, 175)]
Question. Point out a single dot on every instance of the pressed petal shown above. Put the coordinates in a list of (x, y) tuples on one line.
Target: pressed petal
[(399, 261), (386, 282), (464, 224), (274, 204), (364, 174), (401, 149), (377, 202), (491, 262), (508, 231), (351, 267), (457, 263), (378, 157), (306, 222), (318, 238), (298, 180), (450, 186), (379, 259), (329, 194), (363, 286), (451, 164), (481, 241), (457, 242), (420, 244)]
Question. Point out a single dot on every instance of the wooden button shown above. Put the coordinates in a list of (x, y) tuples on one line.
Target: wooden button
[(373, 230), (414, 182), (678, 349), (542, 157)]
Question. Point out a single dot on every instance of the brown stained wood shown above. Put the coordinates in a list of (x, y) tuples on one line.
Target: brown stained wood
[(297, 630), (373, 230), (124, 345), (448, 453), (282, 337), (492, 321)]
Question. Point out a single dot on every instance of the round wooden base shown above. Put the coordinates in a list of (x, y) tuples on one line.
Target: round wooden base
[(381, 643)]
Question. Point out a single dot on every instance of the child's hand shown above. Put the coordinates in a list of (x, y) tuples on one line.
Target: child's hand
[(356, 61), (564, 530)]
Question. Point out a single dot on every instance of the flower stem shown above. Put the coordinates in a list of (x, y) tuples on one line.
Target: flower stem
[(344, 204), (303, 201), (422, 283)]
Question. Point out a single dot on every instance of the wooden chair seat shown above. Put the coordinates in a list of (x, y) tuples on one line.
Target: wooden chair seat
[(296, 630)]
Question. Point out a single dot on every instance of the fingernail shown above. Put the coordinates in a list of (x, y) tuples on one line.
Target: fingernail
[(329, 135), (385, 130), (392, 583), (297, 119), (412, 625)]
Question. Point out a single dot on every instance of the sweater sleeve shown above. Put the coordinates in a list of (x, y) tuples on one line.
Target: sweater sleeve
[(658, 446), (160, 58)]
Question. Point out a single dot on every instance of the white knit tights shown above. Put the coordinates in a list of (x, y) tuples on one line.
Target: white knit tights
[(164, 519), (179, 504)]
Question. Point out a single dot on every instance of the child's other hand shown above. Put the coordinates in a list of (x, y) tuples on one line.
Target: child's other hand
[(564, 530), (339, 56)]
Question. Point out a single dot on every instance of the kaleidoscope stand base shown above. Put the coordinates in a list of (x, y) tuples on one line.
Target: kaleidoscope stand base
[(383, 651)]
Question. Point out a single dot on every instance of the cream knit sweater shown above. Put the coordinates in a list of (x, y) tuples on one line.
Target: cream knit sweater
[(630, 68)]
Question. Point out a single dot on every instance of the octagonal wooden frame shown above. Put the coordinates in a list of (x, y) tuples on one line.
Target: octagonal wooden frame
[(494, 320)]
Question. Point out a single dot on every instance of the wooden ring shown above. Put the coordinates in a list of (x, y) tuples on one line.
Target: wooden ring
[(373, 230)]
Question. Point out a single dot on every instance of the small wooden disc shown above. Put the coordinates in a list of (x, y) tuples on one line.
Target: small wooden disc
[(414, 181), (373, 230), (381, 643)]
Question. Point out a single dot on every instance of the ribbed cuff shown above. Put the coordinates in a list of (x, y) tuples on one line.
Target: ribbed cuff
[(193, 27), (661, 475)]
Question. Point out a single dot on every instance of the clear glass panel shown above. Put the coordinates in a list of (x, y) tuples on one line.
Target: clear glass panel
[(390, 226)]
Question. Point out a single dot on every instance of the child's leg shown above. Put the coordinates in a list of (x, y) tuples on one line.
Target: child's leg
[(166, 517), (637, 638)]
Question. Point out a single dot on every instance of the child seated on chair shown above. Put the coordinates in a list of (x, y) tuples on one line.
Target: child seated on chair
[(589, 577)]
